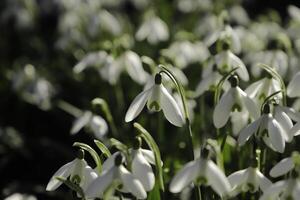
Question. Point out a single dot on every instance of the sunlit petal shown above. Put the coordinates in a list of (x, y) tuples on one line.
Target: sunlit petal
[(248, 131), (282, 167), (276, 135), (80, 122), (285, 122), (293, 87), (264, 183), (238, 178)]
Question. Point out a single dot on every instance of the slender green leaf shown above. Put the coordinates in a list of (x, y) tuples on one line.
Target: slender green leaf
[(151, 143), (119, 145), (103, 148), (155, 193), (93, 153)]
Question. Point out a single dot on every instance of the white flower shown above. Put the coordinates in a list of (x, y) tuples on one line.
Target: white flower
[(250, 179), (263, 88), (78, 171), (227, 61), (141, 168), (96, 123), (154, 30), (18, 196), (201, 171), (285, 165), (117, 174), (211, 80), (285, 189), (234, 98), (184, 53), (157, 97), (293, 87), (268, 127)]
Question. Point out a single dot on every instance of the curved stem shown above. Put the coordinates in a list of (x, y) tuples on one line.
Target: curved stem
[(268, 99)]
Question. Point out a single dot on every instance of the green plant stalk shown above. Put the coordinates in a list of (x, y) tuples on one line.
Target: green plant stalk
[(67, 107)]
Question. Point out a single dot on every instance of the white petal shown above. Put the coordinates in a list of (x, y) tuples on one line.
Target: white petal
[(293, 87), (222, 110), (131, 184), (208, 81), (237, 178), (295, 131), (285, 122), (242, 70), (80, 122), (264, 183), (99, 126), (64, 171), (273, 191), (249, 103), (282, 167), (149, 156), (291, 112), (100, 184), (109, 162), (89, 176), (217, 179), (134, 67), (254, 88), (248, 131), (137, 105), (170, 108), (185, 176), (276, 135), (142, 170)]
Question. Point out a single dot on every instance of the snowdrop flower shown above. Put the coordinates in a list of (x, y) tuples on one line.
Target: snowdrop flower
[(250, 179), (117, 174), (157, 98), (292, 89), (264, 88), (95, 123), (267, 127), (184, 53), (226, 61), (201, 171), (285, 189), (18, 196), (154, 30), (285, 165), (78, 171), (233, 99), (141, 168)]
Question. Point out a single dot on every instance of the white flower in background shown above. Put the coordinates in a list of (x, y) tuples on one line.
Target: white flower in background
[(293, 86), (291, 112), (187, 6), (140, 166), (250, 179), (285, 165), (18, 196), (201, 171), (95, 123), (154, 30), (191, 105), (267, 127), (294, 12), (184, 53), (119, 175), (157, 98), (264, 88), (285, 189), (110, 68), (239, 120), (233, 99), (227, 61), (78, 171)]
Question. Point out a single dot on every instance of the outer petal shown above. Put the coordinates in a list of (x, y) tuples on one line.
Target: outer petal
[(131, 184), (295, 131), (207, 82), (89, 176), (293, 87), (223, 109), (282, 167), (249, 130), (286, 124), (80, 122), (217, 179), (64, 171), (109, 162), (100, 184), (149, 156), (249, 103), (99, 126), (264, 183), (185, 176), (254, 88), (276, 135), (242, 70), (137, 105), (134, 67), (274, 190), (142, 170), (237, 178), (170, 108)]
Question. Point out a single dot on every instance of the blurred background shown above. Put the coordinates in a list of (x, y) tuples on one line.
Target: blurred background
[(47, 80)]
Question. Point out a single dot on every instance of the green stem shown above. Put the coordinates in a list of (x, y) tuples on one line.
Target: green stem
[(69, 108)]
